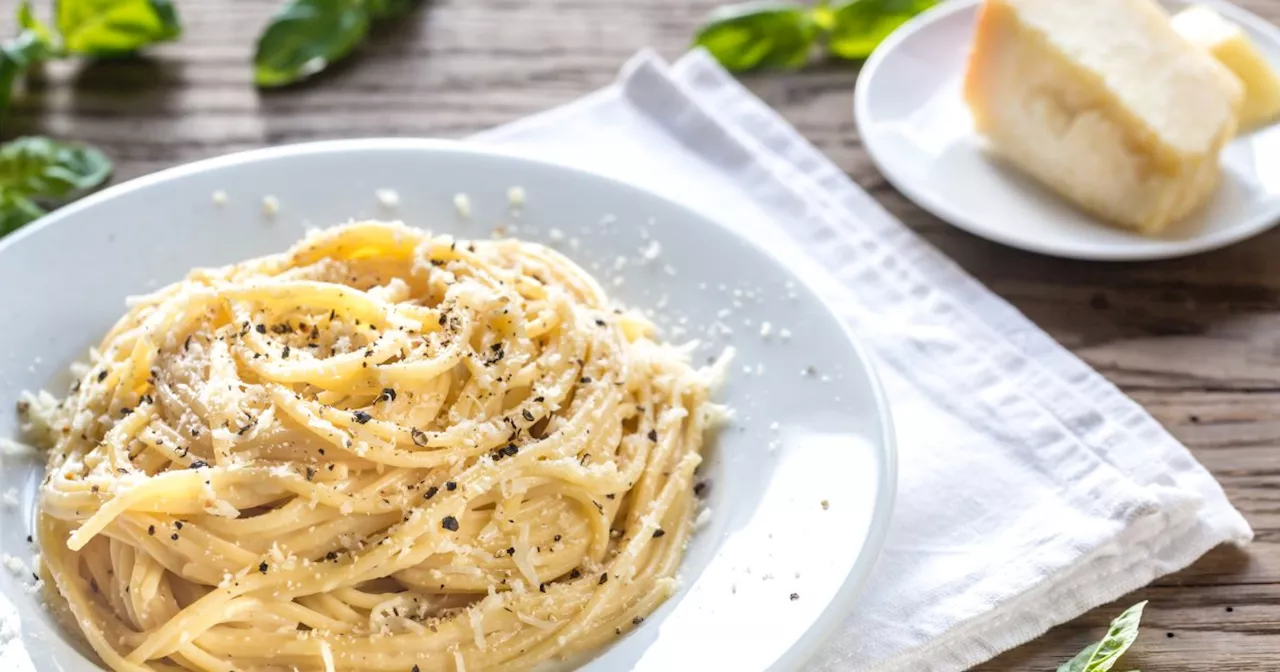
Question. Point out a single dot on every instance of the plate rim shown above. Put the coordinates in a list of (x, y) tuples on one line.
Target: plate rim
[(842, 602), (920, 195)]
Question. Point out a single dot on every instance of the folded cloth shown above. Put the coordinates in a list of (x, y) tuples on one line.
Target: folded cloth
[(1031, 489)]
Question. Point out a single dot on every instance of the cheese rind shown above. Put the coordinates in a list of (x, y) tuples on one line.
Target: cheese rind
[(1228, 43), (1104, 103)]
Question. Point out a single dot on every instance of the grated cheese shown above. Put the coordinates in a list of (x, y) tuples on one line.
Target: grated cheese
[(462, 203), (515, 196), (387, 197)]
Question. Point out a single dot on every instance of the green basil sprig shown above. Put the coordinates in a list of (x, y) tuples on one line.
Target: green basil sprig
[(115, 27), (86, 28), (34, 43), (759, 35), (767, 34), (305, 36), (1103, 656), (38, 173)]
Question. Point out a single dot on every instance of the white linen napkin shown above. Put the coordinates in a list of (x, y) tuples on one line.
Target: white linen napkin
[(1031, 489)]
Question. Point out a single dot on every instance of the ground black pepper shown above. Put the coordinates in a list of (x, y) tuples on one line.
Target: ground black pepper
[(431, 492), (658, 533), (603, 578), (262, 568), (361, 417), (449, 523), (653, 435), (450, 486)]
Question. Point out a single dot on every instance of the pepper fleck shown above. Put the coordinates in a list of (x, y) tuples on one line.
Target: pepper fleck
[(361, 417), (556, 538), (285, 353), (151, 530), (450, 486), (174, 536), (637, 620), (262, 568), (653, 435), (449, 523), (795, 596), (198, 464), (657, 534), (311, 473), (431, 492), (575, 574), (700, 488), (511, 550), (102, 375), (603, 577), (178, 524), (261, 328), (584, 380), (527, 415)]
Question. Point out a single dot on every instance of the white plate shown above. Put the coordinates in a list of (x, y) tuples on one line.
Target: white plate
[(918, 131), (65, 280)]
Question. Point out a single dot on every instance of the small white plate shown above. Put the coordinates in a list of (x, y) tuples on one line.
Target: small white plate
[(795, 442), (918, 132)]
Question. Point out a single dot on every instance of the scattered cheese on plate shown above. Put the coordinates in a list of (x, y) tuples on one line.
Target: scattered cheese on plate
[(1104, 103), (1228, 43)]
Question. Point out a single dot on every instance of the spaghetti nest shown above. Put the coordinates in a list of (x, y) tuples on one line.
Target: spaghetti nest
[(381, 450)]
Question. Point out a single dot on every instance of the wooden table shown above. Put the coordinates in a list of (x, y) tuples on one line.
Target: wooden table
[(1196, 341)]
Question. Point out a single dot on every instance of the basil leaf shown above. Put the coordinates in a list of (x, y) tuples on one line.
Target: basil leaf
[(43, 33), (381, 9), (859, 26), (1103, 656), (36, 171), (758, 35), (35, 43), (16, 212), (305, 36), (115, 27)]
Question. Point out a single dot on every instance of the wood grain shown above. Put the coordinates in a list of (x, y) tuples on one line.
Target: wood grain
[(1196, 341)]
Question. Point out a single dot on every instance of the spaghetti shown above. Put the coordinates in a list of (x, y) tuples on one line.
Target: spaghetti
[(381, 450)]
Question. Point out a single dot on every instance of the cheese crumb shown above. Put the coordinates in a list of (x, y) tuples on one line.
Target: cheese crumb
[(462, 203), (388, 197), (784, 334), (765, 329), (556, 234), (11, 498), (270, 205), (515, 196), (220, 197), (652, 251)]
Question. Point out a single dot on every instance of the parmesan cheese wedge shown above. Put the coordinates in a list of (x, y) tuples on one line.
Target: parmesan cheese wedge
[(1228, 43), (1104, 103)]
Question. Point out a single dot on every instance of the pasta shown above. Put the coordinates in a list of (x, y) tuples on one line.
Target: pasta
[(380, 450)]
